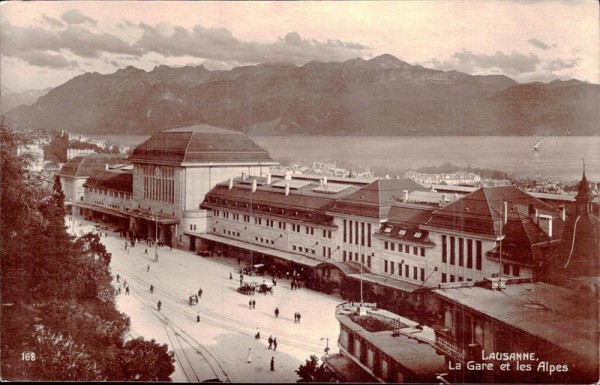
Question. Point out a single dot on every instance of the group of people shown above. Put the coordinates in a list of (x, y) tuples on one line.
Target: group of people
[(271, 364), (295, 285), (252, 304), (272, 342), (297, 317)]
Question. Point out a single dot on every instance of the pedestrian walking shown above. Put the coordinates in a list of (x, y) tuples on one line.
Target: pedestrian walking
[(146, 251), (274, 282), (158, 305), (230, 276), (276, 312), (295, 317), (151, 289), (270, 342), (253, 304), (200, 293), (272, 364), (249, 359), (257, 335), (118, 277), (250, 304), (198, 317), (299, 317), (275, 344), (148, 268), (127, 290), (125, 245)]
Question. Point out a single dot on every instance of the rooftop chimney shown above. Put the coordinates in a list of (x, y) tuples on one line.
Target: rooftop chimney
[(563, 213), (269, 178), (254, 184), (106, 166), (324, 181), (230, 183), (287, 189), (405, 195), (288, 175), (243, 175)]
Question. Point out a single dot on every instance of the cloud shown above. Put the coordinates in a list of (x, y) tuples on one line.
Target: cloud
[(539, 44), (219, 44), (514, 63), (28, 43), (560, 64), (73, 16), (43, 59), (52, 21)]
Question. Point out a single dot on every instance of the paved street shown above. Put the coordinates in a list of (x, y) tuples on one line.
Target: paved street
[(217, 347)]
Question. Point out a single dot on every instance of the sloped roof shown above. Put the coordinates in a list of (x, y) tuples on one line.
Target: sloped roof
[(581, 248), (481, 211), (404, 221), (375, 199), (118, 181), (200, 144), (84, 166)]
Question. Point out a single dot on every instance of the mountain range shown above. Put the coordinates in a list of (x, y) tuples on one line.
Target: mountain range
[(10, 99), (380, 96)]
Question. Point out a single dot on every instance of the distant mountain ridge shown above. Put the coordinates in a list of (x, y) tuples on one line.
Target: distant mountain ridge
[(380, 96), (10, 100)]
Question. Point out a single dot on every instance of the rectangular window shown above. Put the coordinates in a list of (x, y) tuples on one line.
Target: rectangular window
[(400, 269), (385, 245), (356, 257), (452, 279), (422, 251), (355, 232), (422, 274), (415, 250), (392, 246), (329, 252), (344, 231), (506, 269), (307, 230), (478, 255), (362, 233), (444, 278), (362, 258), (344, 256), (368, 235), (460, 279), (415, 273), (452, 252), (349, 231), (385, 266), (369, 261), (312, 231), (444, 255), (324, 251), (469, 253), (406, 249), (516, 270), (407, 271), (461, 252)]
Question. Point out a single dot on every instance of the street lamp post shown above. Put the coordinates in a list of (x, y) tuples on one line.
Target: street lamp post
[(155, 238), (326, 344)]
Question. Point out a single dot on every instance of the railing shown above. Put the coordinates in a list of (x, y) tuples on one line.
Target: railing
[(447, 344)]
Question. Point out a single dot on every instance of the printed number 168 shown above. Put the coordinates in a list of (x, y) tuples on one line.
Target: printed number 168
[(28, 356)]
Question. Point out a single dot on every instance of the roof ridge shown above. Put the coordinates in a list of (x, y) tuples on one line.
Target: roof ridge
[(187, 146)]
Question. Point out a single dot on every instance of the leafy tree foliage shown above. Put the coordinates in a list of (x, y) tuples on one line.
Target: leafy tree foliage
[(311, 371), (57, 297)]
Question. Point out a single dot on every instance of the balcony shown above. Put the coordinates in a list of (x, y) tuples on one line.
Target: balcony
[(446, 343)]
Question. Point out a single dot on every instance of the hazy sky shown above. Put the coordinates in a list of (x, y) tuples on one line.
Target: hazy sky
[(44, 44)]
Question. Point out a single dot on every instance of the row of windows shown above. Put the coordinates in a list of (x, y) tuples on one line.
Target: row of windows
[(262, 240), (402, 270), (359, 230), (110, 193), (193, 227), (326, 252), (159, 189), (165, 172), (453, 278), (301, 249), (270, 223), (404, 248), (461, 252), (347, 255)]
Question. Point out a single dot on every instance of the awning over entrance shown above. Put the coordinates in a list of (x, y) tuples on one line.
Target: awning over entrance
[(100, 209), (300, 259), (346, 370), (161, 218), (352, 270)]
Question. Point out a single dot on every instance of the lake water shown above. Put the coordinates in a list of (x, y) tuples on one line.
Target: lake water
[(559, 157)]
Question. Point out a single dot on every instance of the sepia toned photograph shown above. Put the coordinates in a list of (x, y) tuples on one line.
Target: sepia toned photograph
[(299, 191)]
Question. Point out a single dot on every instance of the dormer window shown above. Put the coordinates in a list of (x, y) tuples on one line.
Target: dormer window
[(388, 229), (418, 234), (402, 232)]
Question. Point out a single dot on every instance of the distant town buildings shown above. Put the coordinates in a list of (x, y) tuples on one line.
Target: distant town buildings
[(461, 178)]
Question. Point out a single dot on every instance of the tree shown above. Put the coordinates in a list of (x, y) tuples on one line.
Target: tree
[(138, 353), (311, 371)]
